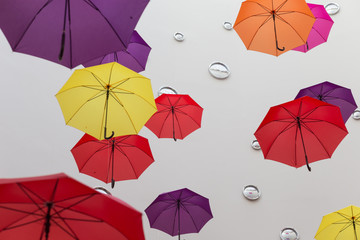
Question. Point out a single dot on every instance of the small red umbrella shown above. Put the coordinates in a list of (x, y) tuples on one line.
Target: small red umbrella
[(114, 159), (301, 131), (178, 115), (57, 207)]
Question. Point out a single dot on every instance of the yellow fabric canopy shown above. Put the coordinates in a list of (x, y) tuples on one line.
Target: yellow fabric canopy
[(107, 96), (340, 225)]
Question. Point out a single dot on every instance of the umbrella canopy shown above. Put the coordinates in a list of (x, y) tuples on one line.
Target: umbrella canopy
[(178, 115), (179, 212), (114, 159), (301, 131), (69, 32), (320, 30), (134, 57), (108, 96), (57, 207), (340, 225), (333, 94), (275, 26)]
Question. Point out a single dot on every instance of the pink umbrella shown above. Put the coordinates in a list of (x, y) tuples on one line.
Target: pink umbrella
[(320, 30)]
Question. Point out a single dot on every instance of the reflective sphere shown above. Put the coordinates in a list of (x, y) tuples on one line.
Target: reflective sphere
[(332, 8), (219, 70), (251, 192), (179, 36), (356, 114), (255, 145), (289, 234), (228, 25), (166, 90)]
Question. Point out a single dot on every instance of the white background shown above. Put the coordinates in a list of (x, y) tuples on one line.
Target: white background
[(215, 161)]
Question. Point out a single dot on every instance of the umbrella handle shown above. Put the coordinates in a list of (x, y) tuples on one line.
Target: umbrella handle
[(280, 49), (112, 183), (112, 134), (61, 54)]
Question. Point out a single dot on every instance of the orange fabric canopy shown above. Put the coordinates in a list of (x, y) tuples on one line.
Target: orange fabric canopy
[(274, 26)]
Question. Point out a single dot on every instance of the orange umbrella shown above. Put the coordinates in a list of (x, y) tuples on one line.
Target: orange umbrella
[(274, 26)]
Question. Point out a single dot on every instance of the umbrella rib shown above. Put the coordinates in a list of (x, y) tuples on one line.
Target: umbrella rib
[(98, 150), (178, 123), (306, 127), (74, 204), (63, 220), (192, 219), (163, 123), (167, 208), (252, 39), (291, 26), (90, 99), (30, 23), (262, 6), (120, 150), (280, 6), (177, 110), (127, 113), (97, 78), (9, 227), (36, 204), (111, 26), (288, 127)]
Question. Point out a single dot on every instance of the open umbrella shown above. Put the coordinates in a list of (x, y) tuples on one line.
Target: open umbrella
[(57, 207), (108, 96), (301, 131), (274, 27), (333, 94), (179, 212), (343, 224), (134, 57), (178, 115), (320, 30), (114, 159), (69, 32)]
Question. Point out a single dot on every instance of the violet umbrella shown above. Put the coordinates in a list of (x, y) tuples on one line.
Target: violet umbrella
[(179, 212), (134, 57), (69, 32), (333, 94), (320, 30)]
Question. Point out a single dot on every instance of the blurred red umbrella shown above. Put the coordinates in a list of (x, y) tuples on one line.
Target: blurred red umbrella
[(113, 159), (57, 207), (301, 131), (178, 115)]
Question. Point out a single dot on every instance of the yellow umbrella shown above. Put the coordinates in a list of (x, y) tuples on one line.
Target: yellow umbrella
[(107, 97), (340, 225)]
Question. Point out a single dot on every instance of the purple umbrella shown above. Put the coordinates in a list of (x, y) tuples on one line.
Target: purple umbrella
[(179, 212), (320, 30), (134, 57), (69, 32), (333, 94)]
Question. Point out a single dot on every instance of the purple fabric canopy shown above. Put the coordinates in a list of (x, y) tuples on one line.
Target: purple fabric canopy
[(75, 31), (134, 57), (179, 212), (333, 94), (320, 30)]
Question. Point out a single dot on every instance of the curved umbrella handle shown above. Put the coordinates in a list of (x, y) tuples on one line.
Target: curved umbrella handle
[(280, 49), (112, 134)]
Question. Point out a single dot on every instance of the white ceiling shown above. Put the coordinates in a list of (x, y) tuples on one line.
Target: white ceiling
[(216, 161)]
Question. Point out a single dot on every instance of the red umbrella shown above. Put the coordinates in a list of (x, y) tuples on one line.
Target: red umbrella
[(114, 159), (178, 115), (301, 131), (57, 207)]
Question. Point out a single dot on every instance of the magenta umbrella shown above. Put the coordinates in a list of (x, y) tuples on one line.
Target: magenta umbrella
[(320, 30), (134, 57)]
